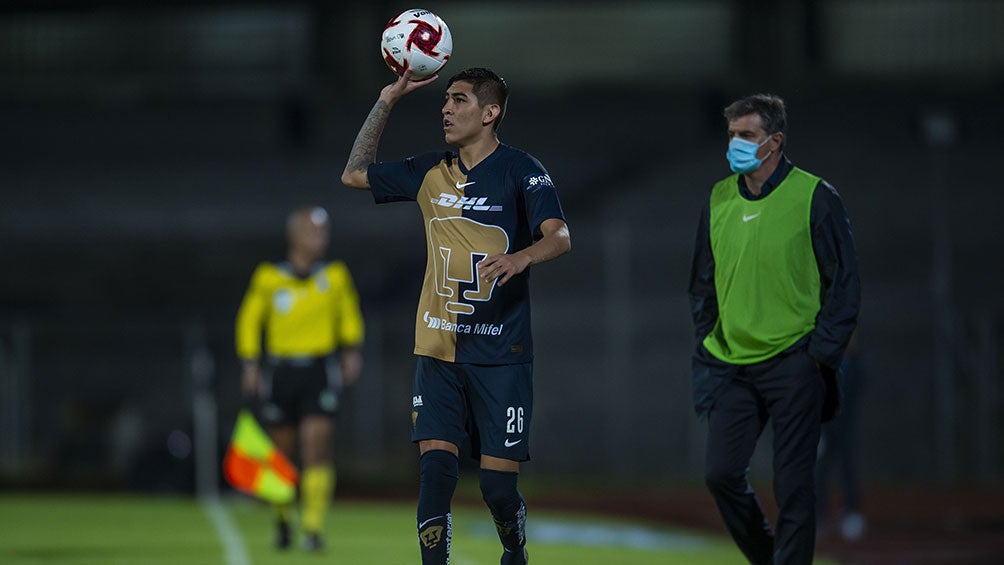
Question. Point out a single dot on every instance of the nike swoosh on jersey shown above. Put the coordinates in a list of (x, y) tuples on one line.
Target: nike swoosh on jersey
[(512, 443), (459, 185), (748, 218)]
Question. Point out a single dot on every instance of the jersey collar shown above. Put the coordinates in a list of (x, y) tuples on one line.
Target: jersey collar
[(486, 160)]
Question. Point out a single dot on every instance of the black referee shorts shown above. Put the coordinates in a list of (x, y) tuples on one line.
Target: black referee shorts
[(295, 388)]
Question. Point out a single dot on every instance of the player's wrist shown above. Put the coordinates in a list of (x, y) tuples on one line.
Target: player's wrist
[(526, 256), (389, 97)]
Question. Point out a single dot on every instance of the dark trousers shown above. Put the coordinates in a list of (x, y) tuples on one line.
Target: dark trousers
[(788, 391)]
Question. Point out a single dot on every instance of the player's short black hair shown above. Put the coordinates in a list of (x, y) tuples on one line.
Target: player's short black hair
[(487, 86), (770, 108)]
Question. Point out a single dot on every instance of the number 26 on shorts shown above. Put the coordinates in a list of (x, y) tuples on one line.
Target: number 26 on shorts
[(514, 420)]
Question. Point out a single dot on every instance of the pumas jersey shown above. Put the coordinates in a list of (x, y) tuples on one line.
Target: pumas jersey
[(496, 207)]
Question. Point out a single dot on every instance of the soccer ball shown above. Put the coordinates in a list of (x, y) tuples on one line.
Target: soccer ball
[(418, 40)]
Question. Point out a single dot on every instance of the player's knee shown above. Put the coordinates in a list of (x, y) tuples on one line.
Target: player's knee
[(438, 466), (439, 463), (499, 491), (439, 471)]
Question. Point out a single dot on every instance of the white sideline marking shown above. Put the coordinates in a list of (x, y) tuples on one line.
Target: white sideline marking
[(601, 534), (612, 535), (233, 545)]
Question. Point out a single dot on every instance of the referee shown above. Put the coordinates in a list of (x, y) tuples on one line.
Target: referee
[(774, 294), (308, 310)]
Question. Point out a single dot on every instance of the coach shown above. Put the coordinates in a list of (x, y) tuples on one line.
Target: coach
[(774, 294)]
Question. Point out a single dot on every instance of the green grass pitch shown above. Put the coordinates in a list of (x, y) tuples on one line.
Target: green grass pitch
[(133, 530)]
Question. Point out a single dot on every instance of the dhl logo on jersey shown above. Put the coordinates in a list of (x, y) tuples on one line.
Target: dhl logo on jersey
[(479, 204)]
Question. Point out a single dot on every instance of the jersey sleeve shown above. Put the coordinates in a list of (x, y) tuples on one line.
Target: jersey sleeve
[(251, 316), (540, 198), (397, 181), (349, 327)]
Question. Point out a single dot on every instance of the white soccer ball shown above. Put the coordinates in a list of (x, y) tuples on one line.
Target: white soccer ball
[(418, 40)]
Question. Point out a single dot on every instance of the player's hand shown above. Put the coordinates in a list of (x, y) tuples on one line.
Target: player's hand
[(351, 361), (503, 267), (250, 380), (403, 85)]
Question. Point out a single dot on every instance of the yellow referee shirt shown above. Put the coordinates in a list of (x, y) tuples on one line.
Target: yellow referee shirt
[(309, 316)]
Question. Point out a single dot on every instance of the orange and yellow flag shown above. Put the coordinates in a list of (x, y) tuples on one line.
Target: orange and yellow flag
[(253, 465)]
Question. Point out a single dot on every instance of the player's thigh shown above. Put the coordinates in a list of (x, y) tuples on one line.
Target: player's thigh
[(501, 400), (427, 445), (439, 405)]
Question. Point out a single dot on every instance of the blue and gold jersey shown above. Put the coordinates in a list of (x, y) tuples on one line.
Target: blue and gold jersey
[(496, 207)]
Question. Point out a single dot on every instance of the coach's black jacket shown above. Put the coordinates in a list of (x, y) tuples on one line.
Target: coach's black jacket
[(833, 245)]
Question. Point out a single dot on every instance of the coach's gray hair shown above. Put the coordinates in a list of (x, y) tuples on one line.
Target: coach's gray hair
[(770, 108)]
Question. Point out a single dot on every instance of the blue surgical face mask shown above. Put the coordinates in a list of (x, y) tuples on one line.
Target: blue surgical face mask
[(742, 155)]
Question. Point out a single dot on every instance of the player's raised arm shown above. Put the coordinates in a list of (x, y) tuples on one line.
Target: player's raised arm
[(365, 147)]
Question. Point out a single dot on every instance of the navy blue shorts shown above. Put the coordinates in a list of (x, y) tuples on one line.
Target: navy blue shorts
[(489, 404)]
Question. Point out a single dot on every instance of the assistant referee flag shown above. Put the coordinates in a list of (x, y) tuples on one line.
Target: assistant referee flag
[(253, 465)]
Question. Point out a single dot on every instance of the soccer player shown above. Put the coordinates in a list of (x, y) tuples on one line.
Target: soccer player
[(490, 212), (774, 292), (313, 328)]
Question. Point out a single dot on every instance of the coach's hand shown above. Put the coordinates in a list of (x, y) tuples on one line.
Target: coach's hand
[(403, 85), (503, 267)]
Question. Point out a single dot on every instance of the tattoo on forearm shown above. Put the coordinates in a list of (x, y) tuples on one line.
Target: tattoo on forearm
[(364, 149)]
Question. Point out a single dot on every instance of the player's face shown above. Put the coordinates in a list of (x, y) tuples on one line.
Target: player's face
[(462, 117)]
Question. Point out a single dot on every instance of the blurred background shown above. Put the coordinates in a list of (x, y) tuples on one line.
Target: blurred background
[(151, 151)]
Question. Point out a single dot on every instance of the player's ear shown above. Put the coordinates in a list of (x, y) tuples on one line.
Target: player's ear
[(490, 113)]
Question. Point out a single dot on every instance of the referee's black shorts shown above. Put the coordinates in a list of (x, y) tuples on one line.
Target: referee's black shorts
[(297, 387)]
